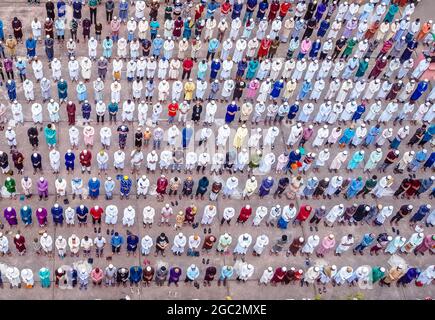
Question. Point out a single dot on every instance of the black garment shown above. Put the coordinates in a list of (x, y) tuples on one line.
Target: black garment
[(122, 275), (196, 112), (238, 90), (36, 161), (161, 241), (138, 139), (321, 187), (93, 15), (360, 213), (49, 7), (339, 45), (311, 7), (4, 161), (110, 5), (311, 25)]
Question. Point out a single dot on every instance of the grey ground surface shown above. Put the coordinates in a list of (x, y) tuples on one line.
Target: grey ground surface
[(249, 290)]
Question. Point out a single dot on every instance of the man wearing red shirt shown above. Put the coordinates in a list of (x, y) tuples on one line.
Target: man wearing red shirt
[(85, 161), (284, 8), (304, 213), (225, 8), (71, 110), (199, 9), (264, 47), (172, 111), (274, 8), (96, 213), (244, 214), (162, 183), (187, 68)]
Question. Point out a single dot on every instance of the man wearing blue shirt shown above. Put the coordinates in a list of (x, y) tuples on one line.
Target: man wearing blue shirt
[(250, 7), (116, 241)]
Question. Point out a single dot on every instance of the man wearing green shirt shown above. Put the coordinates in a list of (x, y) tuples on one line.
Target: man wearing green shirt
[(368, 187), (377, 273), (349, 48), (362, 68), (10, 186), (93, 10)]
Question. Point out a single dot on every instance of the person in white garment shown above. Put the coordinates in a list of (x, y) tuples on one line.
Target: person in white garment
[(312, 242), (266, 276), (74, 133), (245, 271), (119, 160), (111, 215), (105, 137), (178, 244), (129, 216), (69, 218), (28, 90), (260, 244), (37, 113), (17, 112), (54, 157), (260, 213), (209, 213), (60, 245), (146, 245), (148, 214), (46, 244), (13, 276), (37, 69), (243, 243)]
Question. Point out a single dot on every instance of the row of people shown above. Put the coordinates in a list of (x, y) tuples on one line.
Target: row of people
[(277, 216), (418, 243), (322, 276)]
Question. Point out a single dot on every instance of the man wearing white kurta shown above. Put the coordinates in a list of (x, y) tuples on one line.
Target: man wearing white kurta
[(148, 214), (143, 184), (152, 159), (142, 110), (210, 212), (54, 157), (295, 134), (111, 214), (260, 244), (46, 243), (179, 244), (105, 137), (266, 276), (311, 244), (37, 69), (37, 113), (210, 111), (129, 216), (119, 159), (260, 213), (243, 243)]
